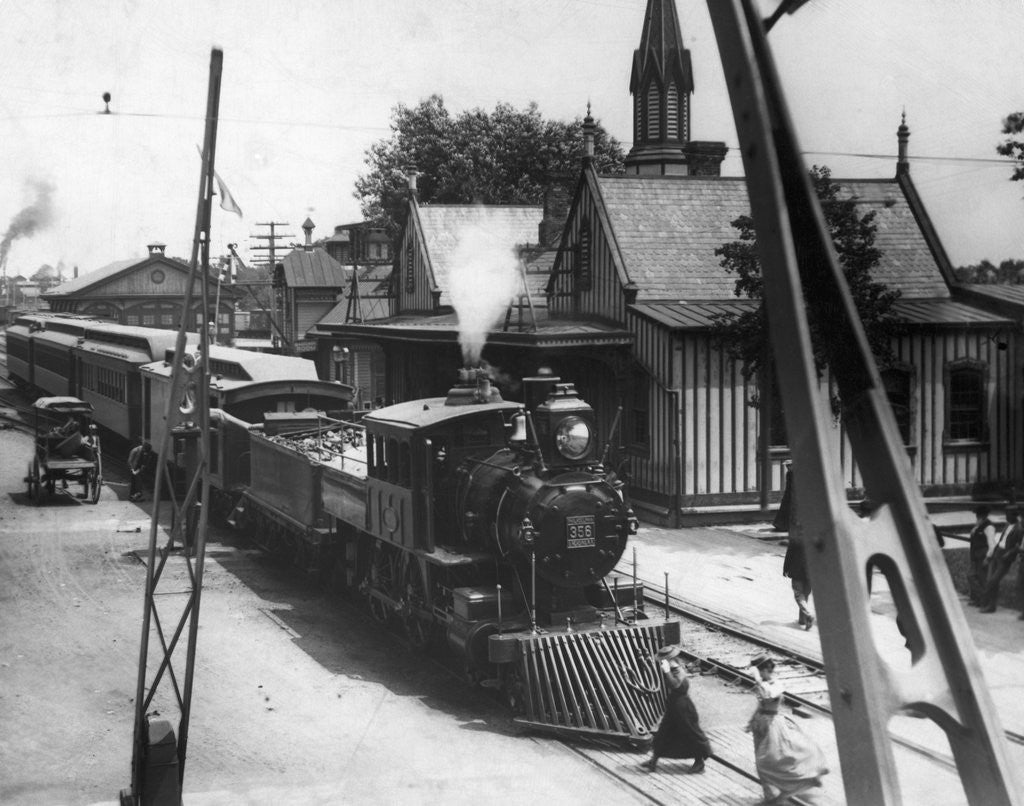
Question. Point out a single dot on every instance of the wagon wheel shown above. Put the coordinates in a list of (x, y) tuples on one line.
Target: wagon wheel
[(418, 627), (383, 579), (94, 483), (34, 488)]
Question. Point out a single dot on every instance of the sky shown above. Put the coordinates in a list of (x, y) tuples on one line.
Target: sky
[(308, 87)]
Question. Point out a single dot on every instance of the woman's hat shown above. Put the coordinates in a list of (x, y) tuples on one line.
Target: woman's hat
[(670, 651)]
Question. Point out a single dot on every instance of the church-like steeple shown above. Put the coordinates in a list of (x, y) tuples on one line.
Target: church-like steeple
[(661, 83)]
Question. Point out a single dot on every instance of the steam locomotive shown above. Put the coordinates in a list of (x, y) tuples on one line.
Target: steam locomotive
[(485, 524)]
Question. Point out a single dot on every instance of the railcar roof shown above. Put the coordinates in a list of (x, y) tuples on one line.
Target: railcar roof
[(432, 410), (229, 365), (63, 404)]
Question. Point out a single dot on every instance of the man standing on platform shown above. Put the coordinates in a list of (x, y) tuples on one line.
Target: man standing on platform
[(1003, 553), (138, 457), (982, 539)]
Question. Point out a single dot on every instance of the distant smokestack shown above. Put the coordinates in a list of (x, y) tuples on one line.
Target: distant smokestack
[(35, 216), (76, 272)]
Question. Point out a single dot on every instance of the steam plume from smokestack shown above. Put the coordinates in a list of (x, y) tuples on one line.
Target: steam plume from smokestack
[(35, 216), (484, 275)]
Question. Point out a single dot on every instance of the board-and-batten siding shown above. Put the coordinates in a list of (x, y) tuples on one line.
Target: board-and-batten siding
[(412, 257), (605, 299), (699, 399)]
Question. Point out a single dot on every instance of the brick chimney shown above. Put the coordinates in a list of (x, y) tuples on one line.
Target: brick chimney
[(307, 227), (410, 178), (704, 157)]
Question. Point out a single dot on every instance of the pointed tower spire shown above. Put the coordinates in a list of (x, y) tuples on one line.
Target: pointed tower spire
[(661, 83), (902, 137)]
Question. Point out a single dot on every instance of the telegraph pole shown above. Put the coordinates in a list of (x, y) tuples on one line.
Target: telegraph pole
[(271, 248)]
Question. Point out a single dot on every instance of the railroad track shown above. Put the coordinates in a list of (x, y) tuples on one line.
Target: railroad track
[(727, 650)]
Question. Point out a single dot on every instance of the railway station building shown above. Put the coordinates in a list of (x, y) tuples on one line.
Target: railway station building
[(623, 303), (148, 292)]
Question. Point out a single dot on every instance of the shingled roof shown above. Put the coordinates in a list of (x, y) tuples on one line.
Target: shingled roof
[(441, 224), (667, 230), (312, 268)]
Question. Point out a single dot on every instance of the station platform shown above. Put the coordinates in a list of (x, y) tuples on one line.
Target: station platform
[(735, 572)]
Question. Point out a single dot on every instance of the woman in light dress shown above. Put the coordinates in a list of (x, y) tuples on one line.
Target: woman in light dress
[(788, 761)]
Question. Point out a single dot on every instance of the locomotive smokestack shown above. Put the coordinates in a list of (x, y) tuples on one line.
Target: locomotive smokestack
[(474, 386)]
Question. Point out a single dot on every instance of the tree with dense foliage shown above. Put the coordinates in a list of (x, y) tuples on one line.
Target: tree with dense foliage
[(1009, 272), (1013, 145), (744, 335), (508, 156)]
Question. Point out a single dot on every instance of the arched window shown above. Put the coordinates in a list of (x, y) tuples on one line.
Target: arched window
[(653, 112), (672, 112)]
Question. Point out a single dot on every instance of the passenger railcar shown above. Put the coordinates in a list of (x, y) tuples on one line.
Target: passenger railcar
[(39, 346)]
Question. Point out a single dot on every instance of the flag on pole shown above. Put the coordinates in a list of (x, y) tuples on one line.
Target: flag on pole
[(227, 201)]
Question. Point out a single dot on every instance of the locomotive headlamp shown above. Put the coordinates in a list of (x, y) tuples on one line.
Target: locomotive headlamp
[(573, 437)]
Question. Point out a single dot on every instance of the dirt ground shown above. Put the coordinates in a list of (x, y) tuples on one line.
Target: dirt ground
[(297, 699)]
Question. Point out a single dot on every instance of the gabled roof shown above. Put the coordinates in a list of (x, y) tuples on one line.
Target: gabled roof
[(96, 276), (442, 224), (667, 230), (312, 269), (374, 285)]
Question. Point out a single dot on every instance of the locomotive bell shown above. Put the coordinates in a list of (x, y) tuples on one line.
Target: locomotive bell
[(565, 427)]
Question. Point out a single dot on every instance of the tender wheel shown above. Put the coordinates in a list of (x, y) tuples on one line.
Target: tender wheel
[(418, 627), (94, 485)]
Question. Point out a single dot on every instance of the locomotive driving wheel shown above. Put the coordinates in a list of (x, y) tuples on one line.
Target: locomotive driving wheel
[(415, 613), (383, 578)]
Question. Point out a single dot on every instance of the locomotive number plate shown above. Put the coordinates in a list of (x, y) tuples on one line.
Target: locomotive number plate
[(580, 532)]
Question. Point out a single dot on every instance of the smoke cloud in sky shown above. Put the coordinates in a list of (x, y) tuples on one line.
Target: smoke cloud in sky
[(484, 276), (36, 216)]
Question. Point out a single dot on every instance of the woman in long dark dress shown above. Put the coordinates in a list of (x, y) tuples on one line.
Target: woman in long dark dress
[(679, 735), (788, 762)]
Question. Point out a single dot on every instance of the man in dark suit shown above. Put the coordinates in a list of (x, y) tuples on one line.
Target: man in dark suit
[(1003, 553)]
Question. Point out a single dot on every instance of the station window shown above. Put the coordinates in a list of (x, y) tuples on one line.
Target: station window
[(898, 383), (965, 401)]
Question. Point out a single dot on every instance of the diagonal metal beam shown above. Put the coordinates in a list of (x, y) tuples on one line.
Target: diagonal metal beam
[(944, 680)]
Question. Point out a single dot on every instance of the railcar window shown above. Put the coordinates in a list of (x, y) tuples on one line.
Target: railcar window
[(392, 459), (404, 465)]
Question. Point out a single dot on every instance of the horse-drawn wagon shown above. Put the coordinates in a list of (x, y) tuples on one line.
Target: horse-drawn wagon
[(67, 449)]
